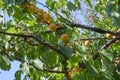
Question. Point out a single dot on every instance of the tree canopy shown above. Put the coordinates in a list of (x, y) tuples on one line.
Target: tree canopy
[(53, 42)]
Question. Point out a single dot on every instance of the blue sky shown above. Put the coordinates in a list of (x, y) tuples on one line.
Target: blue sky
[(9, 75)]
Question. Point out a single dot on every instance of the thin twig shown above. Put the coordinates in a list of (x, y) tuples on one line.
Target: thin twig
[(110, 42), (96, 38), (14, 34)]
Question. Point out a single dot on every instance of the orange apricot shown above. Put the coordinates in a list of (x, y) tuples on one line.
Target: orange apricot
[(109, 35), (39, 12), (64, 37), (47, 18), (52, 27), (87, 43), (31, 8)]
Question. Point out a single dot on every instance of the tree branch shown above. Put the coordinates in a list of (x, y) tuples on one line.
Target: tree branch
[(98, 30), (39, 39), (110, 42)]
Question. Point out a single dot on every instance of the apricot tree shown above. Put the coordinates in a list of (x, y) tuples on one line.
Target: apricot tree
[(52, 44)]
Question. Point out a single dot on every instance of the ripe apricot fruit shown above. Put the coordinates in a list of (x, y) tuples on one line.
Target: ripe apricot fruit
[(109, 35), (87, 43), (31, 8), (39, 13), (52, 27), (47, 18), (64, 37), (118, 30)]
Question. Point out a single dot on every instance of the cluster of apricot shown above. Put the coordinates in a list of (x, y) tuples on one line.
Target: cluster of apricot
[(41, 15), (65, 39)]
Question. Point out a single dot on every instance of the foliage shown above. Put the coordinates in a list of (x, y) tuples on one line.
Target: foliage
[(50, 45)]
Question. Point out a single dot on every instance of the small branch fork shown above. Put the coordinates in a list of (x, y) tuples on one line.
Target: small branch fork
[(110, 42)]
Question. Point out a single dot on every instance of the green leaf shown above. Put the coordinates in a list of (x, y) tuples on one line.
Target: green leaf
[(107, 55), (71, 6), (1, 2), (74, 60), (18, 75), (7, 61), (68, 51), (89, 2), (12, 30), (38, 64), (65, 12), (4, 63), (77, 4), (81, 76), (91, 68), (81, 49), (25, 68), (17, 12), (106, 60), (51, 58)]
